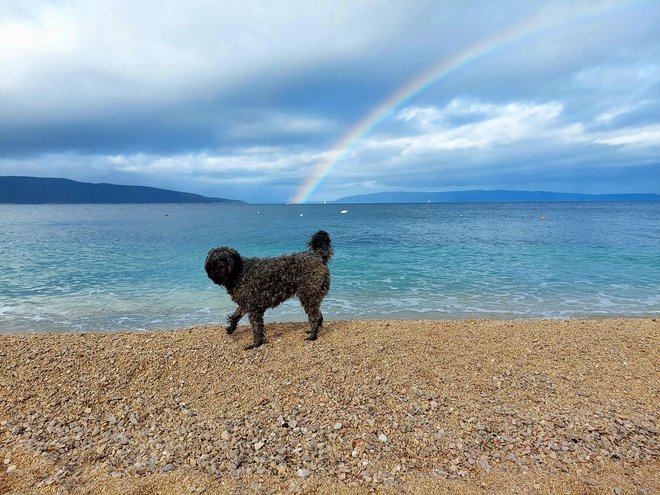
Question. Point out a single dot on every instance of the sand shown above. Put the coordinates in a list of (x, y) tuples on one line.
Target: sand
[(372, 406)]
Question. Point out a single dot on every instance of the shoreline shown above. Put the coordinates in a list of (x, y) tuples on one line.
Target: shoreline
[(418, 406), (301, 319)]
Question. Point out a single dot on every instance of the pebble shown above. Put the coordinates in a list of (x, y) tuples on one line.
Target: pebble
[(454, 422)]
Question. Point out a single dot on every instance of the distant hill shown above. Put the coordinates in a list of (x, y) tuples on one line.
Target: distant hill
[(500, 196), (36, 190)]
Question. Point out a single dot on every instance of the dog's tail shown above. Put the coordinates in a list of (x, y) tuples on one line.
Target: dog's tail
[(320, 244)]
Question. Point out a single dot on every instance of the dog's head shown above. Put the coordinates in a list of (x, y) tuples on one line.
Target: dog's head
[(222, 265)]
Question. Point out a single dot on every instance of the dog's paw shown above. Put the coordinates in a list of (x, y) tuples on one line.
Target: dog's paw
[(230, 329), (311, 336)]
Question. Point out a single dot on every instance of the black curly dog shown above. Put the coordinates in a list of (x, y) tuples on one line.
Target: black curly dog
[(256, 284)]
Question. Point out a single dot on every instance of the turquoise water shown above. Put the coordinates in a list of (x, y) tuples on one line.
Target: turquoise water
[(111, 267)]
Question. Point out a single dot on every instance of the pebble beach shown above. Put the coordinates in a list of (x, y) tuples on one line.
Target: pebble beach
[(461, 407)]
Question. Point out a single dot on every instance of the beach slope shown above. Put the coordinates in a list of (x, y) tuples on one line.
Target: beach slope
[(392, 406)]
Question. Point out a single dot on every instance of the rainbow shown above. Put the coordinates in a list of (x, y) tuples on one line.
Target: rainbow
[(529, 27)]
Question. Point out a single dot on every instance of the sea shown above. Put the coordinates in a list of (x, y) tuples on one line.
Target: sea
[(141, 267)]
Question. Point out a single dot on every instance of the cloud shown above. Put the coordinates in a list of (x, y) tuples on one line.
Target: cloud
[(509, 125), (81, 57), (497, 125), (647, 136), (266, 126), (522, 144), (245, 173), (246, 99)]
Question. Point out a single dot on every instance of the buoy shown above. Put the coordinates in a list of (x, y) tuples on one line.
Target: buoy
[(301, 214), (542, 217), (343, 211)]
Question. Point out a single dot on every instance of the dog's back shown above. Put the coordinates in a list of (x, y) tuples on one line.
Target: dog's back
[(268, 282)]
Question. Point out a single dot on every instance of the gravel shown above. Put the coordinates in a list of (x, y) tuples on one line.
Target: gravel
[(416, 406)]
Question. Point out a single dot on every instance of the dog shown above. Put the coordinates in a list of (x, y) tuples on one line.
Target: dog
[(257, 284)]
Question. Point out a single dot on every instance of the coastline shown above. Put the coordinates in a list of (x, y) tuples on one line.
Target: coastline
[(471, 406)]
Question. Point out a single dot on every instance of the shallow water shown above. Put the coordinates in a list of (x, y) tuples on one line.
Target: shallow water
[(112, 267)]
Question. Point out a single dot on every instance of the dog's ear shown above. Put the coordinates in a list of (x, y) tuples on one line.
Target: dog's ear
[(222, 265), (212, 266)]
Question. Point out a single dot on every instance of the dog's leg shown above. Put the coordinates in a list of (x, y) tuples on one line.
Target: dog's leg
[(315, 324), (233, 320), (258, 336), (315, 318)]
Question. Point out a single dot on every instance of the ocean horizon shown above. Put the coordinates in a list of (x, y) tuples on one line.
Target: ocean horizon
[(140, 267)]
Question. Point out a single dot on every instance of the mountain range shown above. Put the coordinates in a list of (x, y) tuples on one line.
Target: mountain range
[(498, 196), (37, 190)]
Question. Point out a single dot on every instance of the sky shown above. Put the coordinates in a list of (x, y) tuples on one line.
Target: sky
[(276, 101)]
